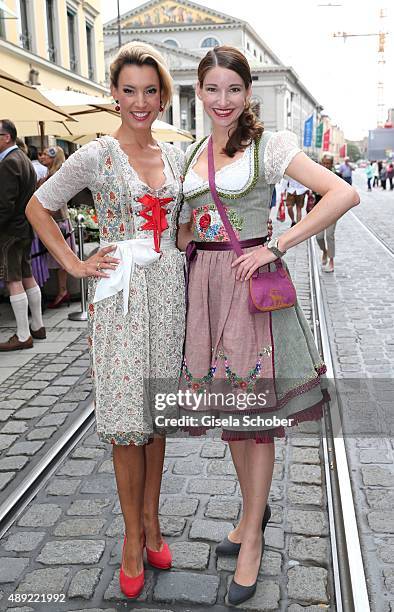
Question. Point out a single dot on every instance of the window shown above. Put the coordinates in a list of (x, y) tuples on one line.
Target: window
[(171, 42), (72, 47), (51, 31), (261, 58), (25, 36), (210, 42), (248, 46), (90, 46), (255, 52), (2, 24)]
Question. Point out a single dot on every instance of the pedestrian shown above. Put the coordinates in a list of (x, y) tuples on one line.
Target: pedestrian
[(18, 182), (136, 293), (369, 172), (295, 196), (21, 145), (41, 170), (225, 344), (326, 237), (383, 176), (390, 175), (346, 170), (375, 167), (53, 159)]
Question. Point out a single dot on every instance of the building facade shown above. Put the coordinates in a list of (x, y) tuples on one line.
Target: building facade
[(54, 43), (184, 31)]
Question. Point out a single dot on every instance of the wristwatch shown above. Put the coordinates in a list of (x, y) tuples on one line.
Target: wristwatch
[(273, 247)]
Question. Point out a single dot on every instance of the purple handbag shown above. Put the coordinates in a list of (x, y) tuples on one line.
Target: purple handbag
[(267, 290)]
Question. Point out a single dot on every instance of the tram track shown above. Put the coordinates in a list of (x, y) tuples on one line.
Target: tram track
[(350, 585), (388, 249), (22, 495)]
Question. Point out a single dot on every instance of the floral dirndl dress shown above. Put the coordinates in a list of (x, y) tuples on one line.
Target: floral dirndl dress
[(136, 333)]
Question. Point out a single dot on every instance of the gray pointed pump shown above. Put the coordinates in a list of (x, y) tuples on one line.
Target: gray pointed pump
[(228, 548)]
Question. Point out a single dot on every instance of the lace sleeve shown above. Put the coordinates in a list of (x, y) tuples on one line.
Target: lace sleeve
[(78, 172), (185, 214), (280, 150)]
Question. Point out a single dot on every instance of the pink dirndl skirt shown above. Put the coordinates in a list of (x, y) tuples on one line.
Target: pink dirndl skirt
[(252, 375)]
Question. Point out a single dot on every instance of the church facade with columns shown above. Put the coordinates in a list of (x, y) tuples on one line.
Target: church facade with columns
[(183, 32)]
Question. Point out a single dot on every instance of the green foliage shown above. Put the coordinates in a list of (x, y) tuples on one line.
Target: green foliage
[(353, 152)]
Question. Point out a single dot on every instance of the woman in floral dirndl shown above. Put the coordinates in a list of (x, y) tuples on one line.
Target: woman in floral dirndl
[(136, 294), (264, 365)]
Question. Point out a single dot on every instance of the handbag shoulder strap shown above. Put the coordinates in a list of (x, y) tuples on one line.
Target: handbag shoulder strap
[(219, 205)]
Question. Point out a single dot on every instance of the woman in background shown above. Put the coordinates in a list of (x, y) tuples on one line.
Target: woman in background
[(53, 158)]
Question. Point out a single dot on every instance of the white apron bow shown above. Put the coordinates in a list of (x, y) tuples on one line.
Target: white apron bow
[(130, 252)]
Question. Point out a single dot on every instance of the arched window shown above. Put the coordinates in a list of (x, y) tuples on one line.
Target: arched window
[(171, 42), (210, 42)]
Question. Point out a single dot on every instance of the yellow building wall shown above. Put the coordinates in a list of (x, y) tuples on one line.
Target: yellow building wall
[(88, 9), (10, 25), (50, 79)]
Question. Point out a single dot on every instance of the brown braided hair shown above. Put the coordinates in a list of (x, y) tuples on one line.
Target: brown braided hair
[(249, 127)]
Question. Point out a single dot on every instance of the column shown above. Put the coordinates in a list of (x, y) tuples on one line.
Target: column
[(280, 107), (199, 119), (176, 110)]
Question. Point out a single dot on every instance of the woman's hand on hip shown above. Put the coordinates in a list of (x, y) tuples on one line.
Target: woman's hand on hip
[(97, 264), (250, 262)]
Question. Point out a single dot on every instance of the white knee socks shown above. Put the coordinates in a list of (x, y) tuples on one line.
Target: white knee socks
[(34, 298), (19, 306)]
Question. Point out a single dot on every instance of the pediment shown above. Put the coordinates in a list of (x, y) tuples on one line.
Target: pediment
[(170, 13)]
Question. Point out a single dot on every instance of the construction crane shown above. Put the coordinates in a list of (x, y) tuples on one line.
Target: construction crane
[(380, 106)]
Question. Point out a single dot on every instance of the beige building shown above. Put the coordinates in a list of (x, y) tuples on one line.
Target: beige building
[(337, 139), (57, 44), (184, 31)]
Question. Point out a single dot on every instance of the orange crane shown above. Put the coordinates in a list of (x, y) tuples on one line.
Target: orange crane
[(380, 106)]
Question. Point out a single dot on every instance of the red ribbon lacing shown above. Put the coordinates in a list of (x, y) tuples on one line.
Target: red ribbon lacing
[(155, 216)]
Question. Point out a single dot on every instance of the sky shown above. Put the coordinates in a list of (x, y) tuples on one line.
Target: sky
[(342, 76)]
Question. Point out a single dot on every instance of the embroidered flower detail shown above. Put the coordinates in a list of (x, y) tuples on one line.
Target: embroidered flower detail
[(121, 228), (108, 162), (110, 214), (90, 342), (91, 309), (209, 226), (205, 221), (112, 196), (105, 230), (98, 197)]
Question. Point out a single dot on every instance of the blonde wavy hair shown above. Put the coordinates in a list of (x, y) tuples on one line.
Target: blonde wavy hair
[(140, 54), (57, 154)]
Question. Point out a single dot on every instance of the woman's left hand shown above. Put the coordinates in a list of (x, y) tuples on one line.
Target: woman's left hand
[(250, 262)]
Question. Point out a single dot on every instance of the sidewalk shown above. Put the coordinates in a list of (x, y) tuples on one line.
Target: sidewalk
[(41, 390)]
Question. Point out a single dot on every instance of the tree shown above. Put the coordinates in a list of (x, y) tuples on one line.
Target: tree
[(353, 152)]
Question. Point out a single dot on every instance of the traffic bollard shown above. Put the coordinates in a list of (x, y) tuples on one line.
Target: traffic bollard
[(81, 315)]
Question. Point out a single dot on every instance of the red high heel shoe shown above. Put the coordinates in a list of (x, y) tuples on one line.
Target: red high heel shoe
[(59, 301), (162, 559), (131, 587)]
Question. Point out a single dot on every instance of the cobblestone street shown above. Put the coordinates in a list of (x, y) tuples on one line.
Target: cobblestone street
[(69, 539)]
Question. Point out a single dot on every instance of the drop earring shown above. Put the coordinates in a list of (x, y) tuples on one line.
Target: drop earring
[(117, 107), (161, 108)]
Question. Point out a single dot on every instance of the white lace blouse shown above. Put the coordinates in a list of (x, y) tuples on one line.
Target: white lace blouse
[(280, 150)]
